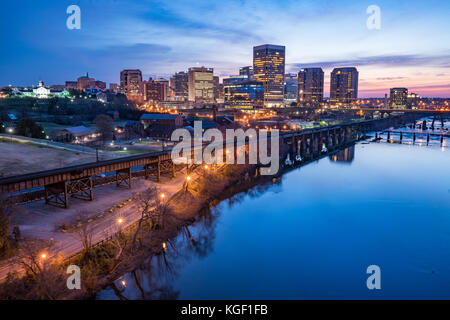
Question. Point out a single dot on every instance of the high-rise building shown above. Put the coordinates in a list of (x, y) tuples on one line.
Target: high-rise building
[(268, 68), (130, 80), (84, 82), (201, 84), (310, 87), (344, 86), (165, 86), (179, 86), (398, 98), (246, 71), (153, 91), (244, 94), (217, 88), (290, 87)]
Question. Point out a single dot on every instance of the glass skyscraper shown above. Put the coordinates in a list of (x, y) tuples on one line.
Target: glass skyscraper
[(310, 87), (268, 68), (344, 86)]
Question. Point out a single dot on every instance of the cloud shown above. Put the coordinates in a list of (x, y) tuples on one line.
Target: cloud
[(384, 61)]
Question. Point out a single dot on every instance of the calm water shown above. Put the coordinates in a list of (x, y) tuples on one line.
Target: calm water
[(313, 234)]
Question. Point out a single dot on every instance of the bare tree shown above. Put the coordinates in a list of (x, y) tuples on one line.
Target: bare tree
[(105, 126), (86, 231)]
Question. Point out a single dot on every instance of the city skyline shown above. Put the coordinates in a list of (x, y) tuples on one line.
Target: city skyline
[(164, 38)]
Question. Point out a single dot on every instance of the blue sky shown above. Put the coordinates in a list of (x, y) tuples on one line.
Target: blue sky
[(412, 48)]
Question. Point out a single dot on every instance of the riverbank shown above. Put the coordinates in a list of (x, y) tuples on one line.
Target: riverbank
[(132, 245)]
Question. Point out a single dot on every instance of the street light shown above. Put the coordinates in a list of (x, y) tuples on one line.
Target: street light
[(120, 221), (43, 255)]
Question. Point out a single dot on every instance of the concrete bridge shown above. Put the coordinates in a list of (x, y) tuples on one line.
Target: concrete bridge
[(56, 186)]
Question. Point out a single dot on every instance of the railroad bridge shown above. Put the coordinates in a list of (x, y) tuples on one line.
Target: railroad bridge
[(79, 181)]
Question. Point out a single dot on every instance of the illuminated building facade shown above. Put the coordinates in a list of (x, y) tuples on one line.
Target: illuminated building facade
[(398, 98), (153, 91), (268, 68), (129, 81), (84, 82), (245, 94), (246, 71), (179, 86), (413, 100), (201, 85), (344, 86), (310, 87)]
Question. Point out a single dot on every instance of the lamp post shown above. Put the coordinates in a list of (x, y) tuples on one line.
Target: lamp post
[(10, 131), (188, 178)]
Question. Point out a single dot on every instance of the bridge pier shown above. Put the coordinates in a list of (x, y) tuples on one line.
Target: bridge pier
[(123, 178), (57, 194), (82, 188)]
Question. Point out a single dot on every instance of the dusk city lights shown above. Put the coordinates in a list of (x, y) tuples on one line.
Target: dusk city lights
[(239, 158)]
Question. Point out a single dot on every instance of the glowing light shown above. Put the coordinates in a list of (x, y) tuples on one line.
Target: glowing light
[(123, 283), (120, 220), (44, 256), (162, 195), (164, 246), (188, 178)]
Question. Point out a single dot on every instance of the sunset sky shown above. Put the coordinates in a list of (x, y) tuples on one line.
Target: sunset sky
[(412, 49)]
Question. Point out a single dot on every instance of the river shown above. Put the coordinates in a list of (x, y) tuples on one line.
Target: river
[(313, 233)]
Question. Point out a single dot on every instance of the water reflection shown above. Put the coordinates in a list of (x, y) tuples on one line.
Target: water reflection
[(344, 156), (312, 233)]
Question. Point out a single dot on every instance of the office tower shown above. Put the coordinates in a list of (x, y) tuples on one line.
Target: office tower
[(310, 87), (179, 86), (153, 91), (84, 82), (244, 94), (246, 71), (398, 97), (130, 80), (268, 68), (201, 84), (165, 85), (344, 86), (290, 87), (217, 88)]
